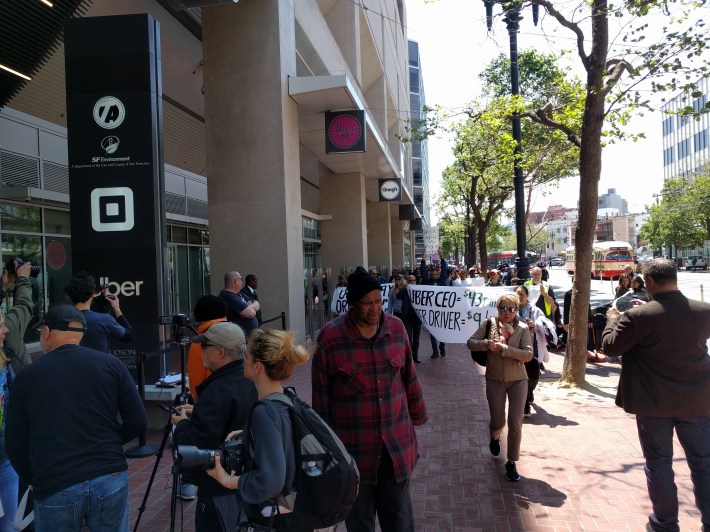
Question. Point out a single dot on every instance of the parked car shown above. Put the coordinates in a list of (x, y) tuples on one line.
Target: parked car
[(700, 263), (557, 262)]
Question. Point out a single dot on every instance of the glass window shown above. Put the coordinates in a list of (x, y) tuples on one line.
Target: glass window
[(179, 235), (193, 236), (56, 222), (20, 218)]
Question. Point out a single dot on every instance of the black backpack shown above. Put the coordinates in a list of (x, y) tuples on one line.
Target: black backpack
[(325, 499)]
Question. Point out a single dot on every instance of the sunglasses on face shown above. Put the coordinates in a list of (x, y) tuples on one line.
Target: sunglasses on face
[(506, 309)]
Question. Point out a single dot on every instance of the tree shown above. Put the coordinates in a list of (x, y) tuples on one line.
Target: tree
[(609, 103), (476, 187), (683, 216), (671, 63), (547, 158)]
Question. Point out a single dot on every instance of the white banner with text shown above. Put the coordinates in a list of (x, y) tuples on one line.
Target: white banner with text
[(451, 313)]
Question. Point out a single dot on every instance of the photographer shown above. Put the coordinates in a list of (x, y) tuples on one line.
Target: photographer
[(224, 402), (100, 326), (20, 315), (271, 358)]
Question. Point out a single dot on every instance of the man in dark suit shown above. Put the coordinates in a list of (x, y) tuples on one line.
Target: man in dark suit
[(665, 381), (251, 283)]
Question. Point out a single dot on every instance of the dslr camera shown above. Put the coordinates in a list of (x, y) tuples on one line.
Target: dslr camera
[(10, 267), (101, 300), (181, 327), (231, 453)]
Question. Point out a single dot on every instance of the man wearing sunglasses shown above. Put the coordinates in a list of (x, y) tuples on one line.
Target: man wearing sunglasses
[(63, 434), (224, 401)]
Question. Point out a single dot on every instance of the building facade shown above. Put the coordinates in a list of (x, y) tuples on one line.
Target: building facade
[(420, 153), (686, 141), (249, 185)]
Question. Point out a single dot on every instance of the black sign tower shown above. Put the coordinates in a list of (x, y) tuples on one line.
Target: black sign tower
[(116, 180)]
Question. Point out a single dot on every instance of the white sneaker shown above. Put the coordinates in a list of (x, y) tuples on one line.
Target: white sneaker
[(187, 491)]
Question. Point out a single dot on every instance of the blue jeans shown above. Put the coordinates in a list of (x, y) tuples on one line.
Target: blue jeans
[(656, 438), (102, 502), (9, 484)]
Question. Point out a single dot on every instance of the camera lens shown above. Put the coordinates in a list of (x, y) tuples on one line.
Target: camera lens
[(191, 459)]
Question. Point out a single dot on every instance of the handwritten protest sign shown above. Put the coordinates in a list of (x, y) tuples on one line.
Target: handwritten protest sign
[(339, 302), (431, 239), (451, 313)]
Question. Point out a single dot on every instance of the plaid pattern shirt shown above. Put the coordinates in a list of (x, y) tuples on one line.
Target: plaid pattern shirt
[(368, 392)]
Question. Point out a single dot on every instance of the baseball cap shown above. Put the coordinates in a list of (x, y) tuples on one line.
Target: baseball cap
[(224, 334), (60, 316)]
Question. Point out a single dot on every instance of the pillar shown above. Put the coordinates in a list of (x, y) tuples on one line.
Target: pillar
[(397, 238), (379, 241), (252, 151), (344, 237)]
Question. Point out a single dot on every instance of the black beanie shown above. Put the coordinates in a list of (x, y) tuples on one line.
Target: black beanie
[(361, 282)]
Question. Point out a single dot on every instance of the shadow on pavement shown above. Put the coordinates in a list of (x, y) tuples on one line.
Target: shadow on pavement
[(539, 492)]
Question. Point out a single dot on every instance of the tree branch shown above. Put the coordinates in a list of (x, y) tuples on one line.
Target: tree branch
[(544, 116), (616, 68), (570, 26)]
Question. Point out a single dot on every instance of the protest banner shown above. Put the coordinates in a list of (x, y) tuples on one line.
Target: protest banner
[(339, 302), (453, 313)]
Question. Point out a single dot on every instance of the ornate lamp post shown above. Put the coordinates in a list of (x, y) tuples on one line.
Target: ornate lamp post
[(512, 18)]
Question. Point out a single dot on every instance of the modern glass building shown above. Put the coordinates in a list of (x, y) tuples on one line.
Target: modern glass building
[(686, 141)]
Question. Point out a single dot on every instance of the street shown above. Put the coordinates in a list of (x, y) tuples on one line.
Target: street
[(690, 283)]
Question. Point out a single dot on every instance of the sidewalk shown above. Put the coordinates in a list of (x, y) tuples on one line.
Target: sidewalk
[(580, 461)]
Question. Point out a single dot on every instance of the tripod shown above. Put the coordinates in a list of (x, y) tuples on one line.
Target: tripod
[(173, 494), (183, 397)]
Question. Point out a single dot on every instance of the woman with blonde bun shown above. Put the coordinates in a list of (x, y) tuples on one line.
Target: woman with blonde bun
[(271, 357)]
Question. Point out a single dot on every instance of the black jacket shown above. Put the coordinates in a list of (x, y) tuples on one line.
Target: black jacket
[(225, 399)]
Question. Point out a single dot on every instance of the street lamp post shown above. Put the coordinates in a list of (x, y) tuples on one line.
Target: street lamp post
[(512, 19)]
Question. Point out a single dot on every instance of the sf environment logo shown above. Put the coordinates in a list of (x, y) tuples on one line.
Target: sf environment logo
[(109, 112), (110, 144)]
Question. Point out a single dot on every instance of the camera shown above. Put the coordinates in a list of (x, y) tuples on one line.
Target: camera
[(231, 453), (101, 300), (181, 327), (179, 320), (10, 267)]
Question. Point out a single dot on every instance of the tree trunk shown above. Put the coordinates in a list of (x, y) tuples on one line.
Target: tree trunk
[(590, 165), (482, 248)]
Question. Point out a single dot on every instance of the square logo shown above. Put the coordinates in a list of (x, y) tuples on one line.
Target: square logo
[(112, 209)]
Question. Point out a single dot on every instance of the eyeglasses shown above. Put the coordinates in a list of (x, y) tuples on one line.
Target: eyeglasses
[(507, 309)]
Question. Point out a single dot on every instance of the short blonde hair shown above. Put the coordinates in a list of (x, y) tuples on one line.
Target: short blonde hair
[(508, 299)]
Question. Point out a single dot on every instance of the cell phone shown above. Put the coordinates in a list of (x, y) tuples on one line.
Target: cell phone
[(170, 409)]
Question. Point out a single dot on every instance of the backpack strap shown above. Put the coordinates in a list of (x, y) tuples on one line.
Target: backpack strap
[(488, 327), (269, 403)]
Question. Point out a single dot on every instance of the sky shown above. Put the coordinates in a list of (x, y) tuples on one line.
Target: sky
[(454, 49)]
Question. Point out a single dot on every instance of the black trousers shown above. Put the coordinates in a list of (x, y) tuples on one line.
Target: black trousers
[(388, 499)]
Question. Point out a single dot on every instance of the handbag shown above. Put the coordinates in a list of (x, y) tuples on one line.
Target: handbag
[(481, 357)]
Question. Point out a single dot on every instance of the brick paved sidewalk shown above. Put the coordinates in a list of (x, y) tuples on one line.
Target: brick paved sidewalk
[(580, 463)]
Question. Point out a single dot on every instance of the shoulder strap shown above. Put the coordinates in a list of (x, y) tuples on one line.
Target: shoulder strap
[(488, 328), (285, 398)]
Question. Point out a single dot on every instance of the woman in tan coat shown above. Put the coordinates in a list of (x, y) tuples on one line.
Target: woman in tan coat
[(509, 346)]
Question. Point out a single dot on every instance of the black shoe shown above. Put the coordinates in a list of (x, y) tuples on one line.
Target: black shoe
[(511, 472), (526, 412), (442, 349), (494, 446), (542, 366), (418, 360), (435, 355)]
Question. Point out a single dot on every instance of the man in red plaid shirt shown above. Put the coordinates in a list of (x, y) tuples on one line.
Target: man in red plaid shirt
[(365, 386)]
